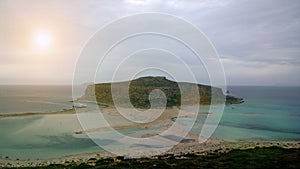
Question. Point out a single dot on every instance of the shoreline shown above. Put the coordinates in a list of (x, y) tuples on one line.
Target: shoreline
[(67, 111), (212, 145)]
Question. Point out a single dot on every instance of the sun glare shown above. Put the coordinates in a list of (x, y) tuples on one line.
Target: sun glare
[(43, 40)]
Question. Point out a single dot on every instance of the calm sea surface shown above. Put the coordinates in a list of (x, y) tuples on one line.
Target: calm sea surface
[(20, 99), (269, 113)]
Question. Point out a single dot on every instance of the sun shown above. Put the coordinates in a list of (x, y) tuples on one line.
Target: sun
[(43, 40)]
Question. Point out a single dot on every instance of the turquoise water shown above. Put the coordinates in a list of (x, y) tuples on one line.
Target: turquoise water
[(32, 137), (269, 113)]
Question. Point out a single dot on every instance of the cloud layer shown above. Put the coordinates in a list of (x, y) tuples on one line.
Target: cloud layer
[(258, 41)]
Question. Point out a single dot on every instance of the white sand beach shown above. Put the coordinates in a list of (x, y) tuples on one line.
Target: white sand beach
[(60, 123)]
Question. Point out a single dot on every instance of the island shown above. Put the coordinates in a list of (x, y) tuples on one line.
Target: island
[(141, 88), (213, 153)]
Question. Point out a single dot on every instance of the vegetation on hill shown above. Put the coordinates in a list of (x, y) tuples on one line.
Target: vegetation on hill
[(141, 88)]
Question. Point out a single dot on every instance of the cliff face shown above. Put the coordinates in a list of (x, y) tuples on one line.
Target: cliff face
[(140, 89)]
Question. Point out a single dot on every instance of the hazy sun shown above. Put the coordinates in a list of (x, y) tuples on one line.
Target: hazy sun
[(43, 40)]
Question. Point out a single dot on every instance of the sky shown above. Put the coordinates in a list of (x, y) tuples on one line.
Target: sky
[(258, 41)]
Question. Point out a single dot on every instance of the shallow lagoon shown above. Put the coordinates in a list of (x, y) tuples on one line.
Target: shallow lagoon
[(43, 136), (269, 113)]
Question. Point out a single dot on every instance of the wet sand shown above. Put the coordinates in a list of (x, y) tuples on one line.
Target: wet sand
[(190, 145)]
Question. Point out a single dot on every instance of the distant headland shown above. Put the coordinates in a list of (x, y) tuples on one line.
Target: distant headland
[(140, 89)]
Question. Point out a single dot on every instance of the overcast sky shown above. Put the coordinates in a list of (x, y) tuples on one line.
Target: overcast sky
[(258, 40)]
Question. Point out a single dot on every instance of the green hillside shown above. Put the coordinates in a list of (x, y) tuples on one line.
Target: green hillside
[(140, 89)]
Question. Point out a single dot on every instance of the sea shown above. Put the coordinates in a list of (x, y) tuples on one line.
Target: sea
[(268, 114), (26, 98)]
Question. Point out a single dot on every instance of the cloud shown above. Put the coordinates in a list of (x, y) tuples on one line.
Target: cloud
[(258, 41), (250, 72)]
